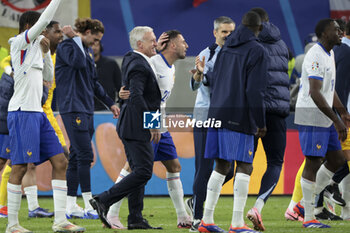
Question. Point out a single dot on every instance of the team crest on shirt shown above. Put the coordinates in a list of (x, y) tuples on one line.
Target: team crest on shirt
[(78, 121), (250, 153), (8, 150), (29, 153), (315, 65), (318, 146)]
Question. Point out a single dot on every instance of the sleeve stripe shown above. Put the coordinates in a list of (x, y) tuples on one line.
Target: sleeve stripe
[(316, 77), (26, 37)]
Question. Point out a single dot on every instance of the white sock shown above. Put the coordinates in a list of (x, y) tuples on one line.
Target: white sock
[(213, 192), (308, 188), (323, 177), (122, 174), (59, 188), (240, 192), (176, 193), (14, 196), (115, 208), (71, 202), (291, 205), (87, 196), (259, 204), (31, 193), (318, 210), (346, 196)]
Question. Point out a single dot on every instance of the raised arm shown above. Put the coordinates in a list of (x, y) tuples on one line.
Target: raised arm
[(43, 21)]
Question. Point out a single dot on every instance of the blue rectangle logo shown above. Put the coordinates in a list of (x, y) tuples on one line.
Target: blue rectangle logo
[(152, 120)]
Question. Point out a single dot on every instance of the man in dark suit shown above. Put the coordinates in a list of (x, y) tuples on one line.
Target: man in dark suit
[(139, 77)]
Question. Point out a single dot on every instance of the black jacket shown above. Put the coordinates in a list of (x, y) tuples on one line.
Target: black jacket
[(6, 92), (342, 61), (277, 91), (139, 78)]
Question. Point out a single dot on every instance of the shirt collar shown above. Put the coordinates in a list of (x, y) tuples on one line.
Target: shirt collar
[(144, 56), (346, 41)]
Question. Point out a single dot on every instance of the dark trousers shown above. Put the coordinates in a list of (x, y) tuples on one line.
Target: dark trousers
[(80, 128), (140, 157), (274, 144), (204, 168)]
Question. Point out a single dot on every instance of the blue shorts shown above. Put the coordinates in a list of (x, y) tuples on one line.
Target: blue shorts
[(5, 149), (32, 138), (165, 149), (316, 141), (229, 145)]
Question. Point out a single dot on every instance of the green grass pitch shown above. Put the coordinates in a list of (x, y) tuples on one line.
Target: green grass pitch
[(160, 212)]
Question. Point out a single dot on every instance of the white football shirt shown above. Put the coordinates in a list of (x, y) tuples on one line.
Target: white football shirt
[(318, 64), (27, 63), (165, 75)]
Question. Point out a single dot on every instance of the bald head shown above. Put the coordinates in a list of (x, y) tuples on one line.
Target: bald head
[(252, 21)]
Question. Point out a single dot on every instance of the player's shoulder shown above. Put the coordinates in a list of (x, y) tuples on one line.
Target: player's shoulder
[(156, 58), (316, 52)]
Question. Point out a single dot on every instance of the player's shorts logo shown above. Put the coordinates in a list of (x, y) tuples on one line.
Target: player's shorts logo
[(250, 152), (78, 121), (151, 120), (29, 153), (318, 146), (8, 150)]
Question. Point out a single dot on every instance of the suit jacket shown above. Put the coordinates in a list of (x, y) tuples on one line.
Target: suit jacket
[(139, 78)]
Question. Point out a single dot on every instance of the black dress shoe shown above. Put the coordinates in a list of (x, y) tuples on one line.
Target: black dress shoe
[(101, 211), (142, 225)]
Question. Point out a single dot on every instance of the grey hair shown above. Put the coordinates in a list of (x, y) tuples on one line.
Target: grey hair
[(222, 20), (136, 34)]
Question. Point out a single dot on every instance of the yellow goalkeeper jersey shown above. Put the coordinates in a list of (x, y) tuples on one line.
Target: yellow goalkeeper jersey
[(48, 110)]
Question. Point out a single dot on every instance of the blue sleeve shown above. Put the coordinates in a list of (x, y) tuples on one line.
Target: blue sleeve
[(194, 84), (45, 95), (256, 85), (71, 54)]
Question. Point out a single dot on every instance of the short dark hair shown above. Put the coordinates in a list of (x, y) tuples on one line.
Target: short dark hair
[(322, 25), (347, 29), (28, 17), (262, 13), (251, 20), (172, 34), (341, 24), (50, 25)]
